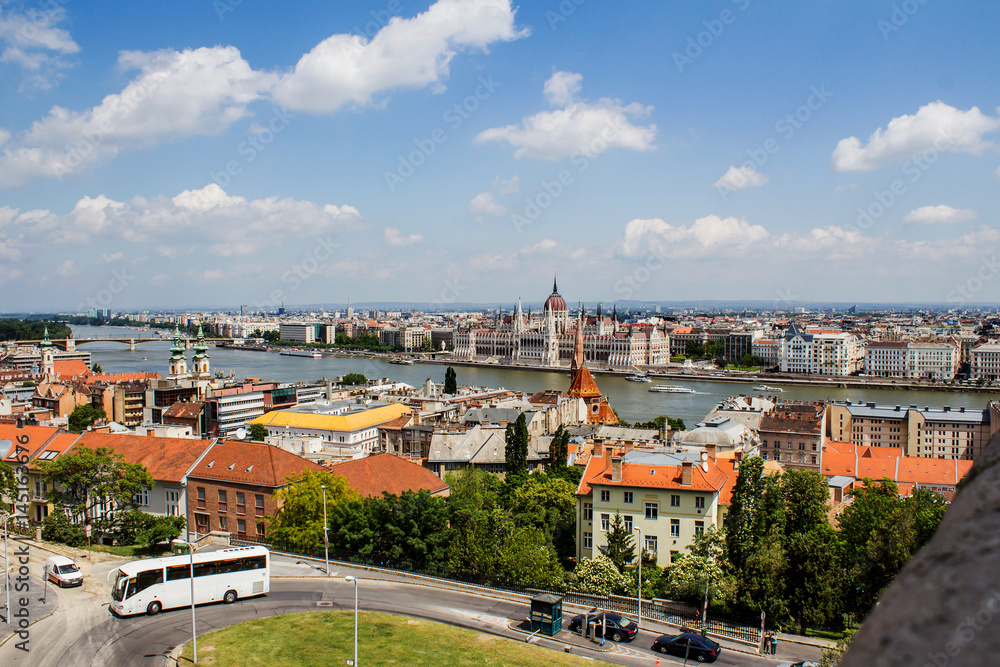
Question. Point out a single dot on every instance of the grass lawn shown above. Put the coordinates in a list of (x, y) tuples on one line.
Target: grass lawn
[(133, 551), (326, 638)]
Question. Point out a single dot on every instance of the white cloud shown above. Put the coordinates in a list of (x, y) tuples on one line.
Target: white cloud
[(708, 235), (543, 246), (939, 215), (512, 187), (562, 87), (935, 127), (846, 187), (579, 128), (997, 171), (107, 259), (484, 204), (407, 53), (67, 269), (394, 238), (32, 41), (198, 92), (740, 178)]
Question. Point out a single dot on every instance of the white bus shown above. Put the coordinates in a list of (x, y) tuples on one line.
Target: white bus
[(147, 586)]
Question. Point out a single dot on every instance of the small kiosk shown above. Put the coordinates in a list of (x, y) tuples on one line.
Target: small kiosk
[(546, 614)]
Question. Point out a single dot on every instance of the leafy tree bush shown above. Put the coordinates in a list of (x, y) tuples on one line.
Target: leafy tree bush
[(57, 527), (450, 381), (354, 379), (84, 416), (258, 433), (599, 576)]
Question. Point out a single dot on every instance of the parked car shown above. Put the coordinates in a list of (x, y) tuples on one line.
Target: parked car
[(688, 645), (63, 572), (617, 628)]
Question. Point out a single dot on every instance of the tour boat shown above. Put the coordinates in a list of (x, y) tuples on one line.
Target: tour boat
[(635, 377), (668, 389), (311, 354), (764, 387)]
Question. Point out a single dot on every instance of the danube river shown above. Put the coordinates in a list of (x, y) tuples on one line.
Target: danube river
[(632, 400)]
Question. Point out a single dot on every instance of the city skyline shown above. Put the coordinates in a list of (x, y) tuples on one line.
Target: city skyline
[(457, 152)]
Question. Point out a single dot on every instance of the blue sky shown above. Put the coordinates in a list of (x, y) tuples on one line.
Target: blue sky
[(217, 154)]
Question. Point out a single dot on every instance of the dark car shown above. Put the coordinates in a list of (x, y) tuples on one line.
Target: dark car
[(689, 645), (617, 628)]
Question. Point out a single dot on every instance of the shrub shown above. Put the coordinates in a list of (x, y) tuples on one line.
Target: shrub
[(57, 527)]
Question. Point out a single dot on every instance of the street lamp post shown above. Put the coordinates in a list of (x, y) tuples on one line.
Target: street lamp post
[(350, 578), (194, 627), (639, 597), (326, 538)]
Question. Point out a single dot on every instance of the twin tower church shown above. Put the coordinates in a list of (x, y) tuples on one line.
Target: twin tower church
[(178, 367)]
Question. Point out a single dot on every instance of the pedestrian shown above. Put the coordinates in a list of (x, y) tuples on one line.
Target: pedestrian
[(774, 644)]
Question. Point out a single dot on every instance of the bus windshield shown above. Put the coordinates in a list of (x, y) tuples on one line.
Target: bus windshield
[(118, 592)]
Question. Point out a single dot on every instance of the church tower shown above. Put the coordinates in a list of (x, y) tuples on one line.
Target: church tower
[(178, 364), (48, 357), (201, 364)]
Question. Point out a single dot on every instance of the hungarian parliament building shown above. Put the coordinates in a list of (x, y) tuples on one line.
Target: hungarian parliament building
[(548, 340)]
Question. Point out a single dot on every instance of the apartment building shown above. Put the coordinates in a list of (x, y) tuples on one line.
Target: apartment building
[(912, 360), (669, 496), (819, 352), (794, 434), (985, 361), (948, 433), (344, 423)]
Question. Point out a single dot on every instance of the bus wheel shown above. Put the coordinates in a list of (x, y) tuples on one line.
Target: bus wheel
[(154, 608), (229, 597)]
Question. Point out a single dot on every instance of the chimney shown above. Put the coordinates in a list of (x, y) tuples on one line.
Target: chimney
[(616, 468), (599, 449), (738, 455), (710, 450), (687, 473)]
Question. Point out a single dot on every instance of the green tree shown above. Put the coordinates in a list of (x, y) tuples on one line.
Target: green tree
[(813, 576), (516, 450), (761, 585), (412, 529), (559, 449), (258, 432), (450, 381), (354, 379), (742, 527), (548, 504), (83, 417), (84, 478), (299, 524), (162, 529), (57, 527), (688, 576), (599, 576), (473, 495), (620, 547), (806, 498), (97, 368)]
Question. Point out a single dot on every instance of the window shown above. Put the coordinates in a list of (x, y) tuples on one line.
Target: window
[(241, 529), (260, 529), (201, 521), (588, 511), (435, 467), (627, 520), (699, 527), (802, 446), (673, 556), (223, 505), (814, 446), (789, 446), (652, 510), (201, 497), (699, 502), (259, 504), (628, 497), (675, 501), (814, 459), (241, 503), (675, 528), (588, 541), (144, 580), (175, 572), (223, 523), (605, 496), (142, 498), (205, 569), (651, 543)]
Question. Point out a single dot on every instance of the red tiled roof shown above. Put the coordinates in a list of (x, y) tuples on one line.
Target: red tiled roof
[(67, 369), (183, 410), (383, 472), (167, 459), (253, 463), (38, 439), (583, 384)]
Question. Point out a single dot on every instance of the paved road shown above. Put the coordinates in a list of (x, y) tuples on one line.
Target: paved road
[(83, 631)]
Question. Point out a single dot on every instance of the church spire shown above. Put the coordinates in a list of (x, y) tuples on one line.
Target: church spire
[(555, 288)]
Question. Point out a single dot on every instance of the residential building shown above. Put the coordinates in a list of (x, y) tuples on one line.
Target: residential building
[(794, 434), (819, 352), (855, 463), (227, 412), (351, 423), (985, 361), (912, 360), (483, 447), (233, 487)]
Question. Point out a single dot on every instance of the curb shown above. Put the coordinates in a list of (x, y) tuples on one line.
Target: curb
[(607, 648), (41, 618)]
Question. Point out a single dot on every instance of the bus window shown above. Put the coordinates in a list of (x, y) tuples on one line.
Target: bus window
[(146, 579), (205, 569), (254, 563), (120, 583), (175, 572), (228, 566), (130, 591)]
